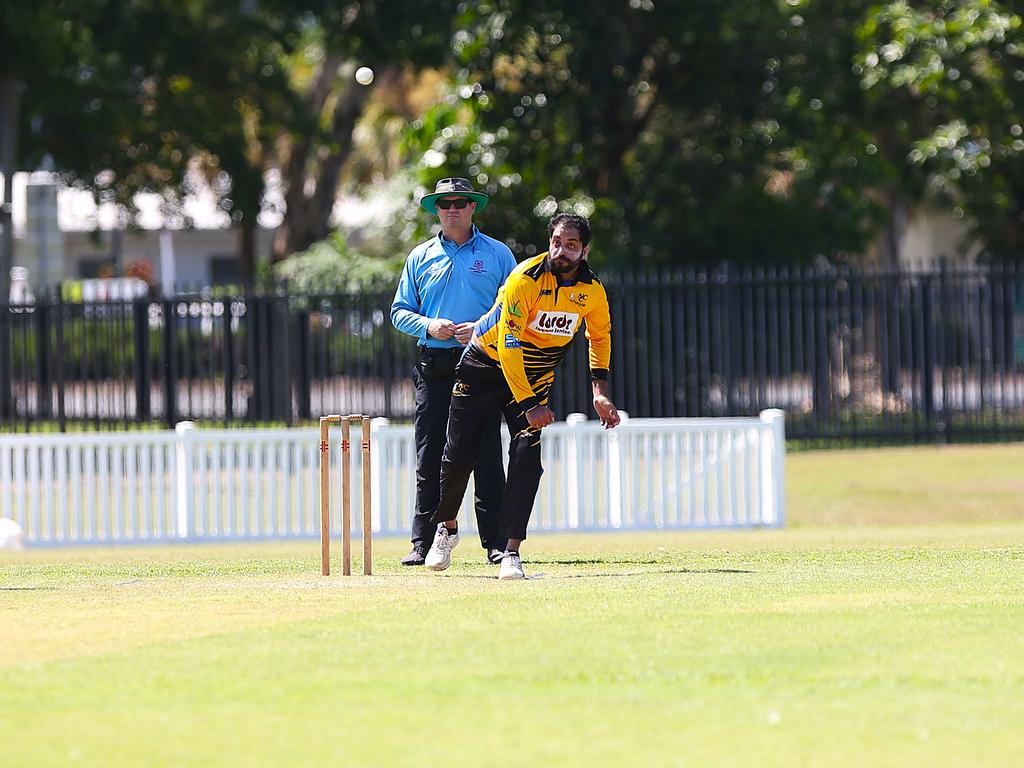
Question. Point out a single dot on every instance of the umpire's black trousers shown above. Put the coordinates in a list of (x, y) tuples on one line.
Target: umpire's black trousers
[(481, 393), (434, 378)]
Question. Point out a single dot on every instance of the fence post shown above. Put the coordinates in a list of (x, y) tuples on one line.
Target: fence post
[(378, 470), (140, 326), (170, 362), (184, 477), (733, 337), (574, 469), (44, 389), (943, 346), (773, 469), (303, 364), (615, 478), (6, 379), (282, 331), (59, 332), (270, 359), (928, 354), (229, 361), (821, 366), (388, 367)]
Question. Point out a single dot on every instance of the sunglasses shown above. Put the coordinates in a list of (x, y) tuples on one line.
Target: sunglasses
[(444, 205)]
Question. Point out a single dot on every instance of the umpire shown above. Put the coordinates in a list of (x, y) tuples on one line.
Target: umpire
[(448, 282)]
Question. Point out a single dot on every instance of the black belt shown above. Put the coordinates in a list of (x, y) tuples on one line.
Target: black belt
[(440, 351)]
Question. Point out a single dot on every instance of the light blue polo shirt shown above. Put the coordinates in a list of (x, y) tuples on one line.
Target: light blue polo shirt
[(456, 282)]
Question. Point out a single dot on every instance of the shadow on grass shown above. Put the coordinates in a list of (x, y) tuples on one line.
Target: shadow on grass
[(606, 561), (627, 574), (592, 561), (647, 573), (26, 589)]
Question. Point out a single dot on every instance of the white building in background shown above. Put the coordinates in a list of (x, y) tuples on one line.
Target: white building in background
[(201, 256), (61, 234), (923, 238)]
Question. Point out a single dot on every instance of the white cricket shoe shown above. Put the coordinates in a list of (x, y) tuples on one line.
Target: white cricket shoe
[(440, 555), (511, 567)]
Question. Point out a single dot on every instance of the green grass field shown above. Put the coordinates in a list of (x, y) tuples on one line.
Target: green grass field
[(883, 627)]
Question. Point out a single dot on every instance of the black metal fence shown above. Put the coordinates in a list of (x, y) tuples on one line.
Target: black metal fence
[(851, 356)]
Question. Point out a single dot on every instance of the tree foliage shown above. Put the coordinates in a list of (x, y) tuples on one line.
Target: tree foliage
[(748, 132), (662, 120), (129, 97), (395, 39), (123, 98), (956, 70), (330, 266), (777, 131)]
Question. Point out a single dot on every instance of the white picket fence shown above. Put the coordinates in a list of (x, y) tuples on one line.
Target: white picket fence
[(191, 484)]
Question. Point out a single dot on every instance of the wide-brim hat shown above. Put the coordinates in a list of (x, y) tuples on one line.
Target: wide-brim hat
[(453, 186)]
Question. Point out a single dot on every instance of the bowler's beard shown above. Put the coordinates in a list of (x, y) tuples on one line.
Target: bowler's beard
[(564, 266)]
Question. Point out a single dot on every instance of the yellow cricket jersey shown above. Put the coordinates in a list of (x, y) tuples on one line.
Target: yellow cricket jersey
[(534, 318)]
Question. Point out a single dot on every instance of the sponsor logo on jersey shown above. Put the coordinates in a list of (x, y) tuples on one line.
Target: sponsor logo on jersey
[(461, 389), (513, 325), (514, 310), (555, 323), (511, 342), (545, 291)]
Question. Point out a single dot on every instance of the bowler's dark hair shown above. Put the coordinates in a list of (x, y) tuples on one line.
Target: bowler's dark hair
[(580, 223)]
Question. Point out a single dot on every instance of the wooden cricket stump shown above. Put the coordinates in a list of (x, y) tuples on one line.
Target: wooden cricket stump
[(346, 495)]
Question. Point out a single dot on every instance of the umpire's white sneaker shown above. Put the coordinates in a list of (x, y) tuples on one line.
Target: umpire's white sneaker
[(440, 555), (511, 567)]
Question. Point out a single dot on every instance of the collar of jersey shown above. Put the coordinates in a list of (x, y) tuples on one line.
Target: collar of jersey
[(472, 238), (585, 275)]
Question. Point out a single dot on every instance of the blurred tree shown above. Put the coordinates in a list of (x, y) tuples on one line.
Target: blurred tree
[(330, 266), (788, 130), (396, 40), (785, 131), (126, 97), (846, 146), (130, 97), (662, 120), (953, 73), (33, 37)]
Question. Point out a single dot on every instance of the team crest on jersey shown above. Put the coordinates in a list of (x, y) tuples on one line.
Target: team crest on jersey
[(555, 323), (578, 298), (478, 267), (461, 389), (511, 342)]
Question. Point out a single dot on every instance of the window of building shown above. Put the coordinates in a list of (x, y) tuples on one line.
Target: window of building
[(224, 269), (90, 267)]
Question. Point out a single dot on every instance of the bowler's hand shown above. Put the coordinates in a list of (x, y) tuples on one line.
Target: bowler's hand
[(606, 412), (464, 332), (540, 416), (441, 329)]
